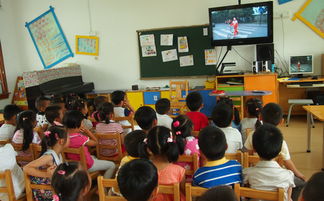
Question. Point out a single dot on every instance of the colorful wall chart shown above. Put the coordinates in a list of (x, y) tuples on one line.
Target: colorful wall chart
[(88, 45), (312, 14), (49, 39)]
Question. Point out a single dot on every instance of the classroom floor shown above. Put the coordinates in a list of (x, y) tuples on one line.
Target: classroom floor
[(296, 137)]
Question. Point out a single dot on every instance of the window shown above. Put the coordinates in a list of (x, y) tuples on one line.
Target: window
[(3, 80)]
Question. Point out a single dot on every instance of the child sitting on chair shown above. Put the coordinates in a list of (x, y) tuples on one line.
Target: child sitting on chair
[(222, 116), (145, 117), (194, 103), (7, 130), (162, 107), (267, 173), (54, 115), (41, 103), (218, 170)]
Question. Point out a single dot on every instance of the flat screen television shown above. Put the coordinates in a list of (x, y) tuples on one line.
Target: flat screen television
[(302, 64), (241, 24)]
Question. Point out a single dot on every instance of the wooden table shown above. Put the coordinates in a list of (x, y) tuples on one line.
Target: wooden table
[(318, 112)]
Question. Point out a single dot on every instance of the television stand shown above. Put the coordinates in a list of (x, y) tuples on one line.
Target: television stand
[(219, 72), (300, 76)]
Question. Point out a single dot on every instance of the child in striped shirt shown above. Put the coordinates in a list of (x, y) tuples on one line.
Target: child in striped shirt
[(218, 170)]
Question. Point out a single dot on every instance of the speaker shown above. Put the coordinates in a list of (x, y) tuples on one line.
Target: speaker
[(265, 52), (257, 66), (266, 66)]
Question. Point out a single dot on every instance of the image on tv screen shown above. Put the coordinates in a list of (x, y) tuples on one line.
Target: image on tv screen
[(301, 64), (239, 23)]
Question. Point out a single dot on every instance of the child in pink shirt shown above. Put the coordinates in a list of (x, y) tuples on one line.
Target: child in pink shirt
[(107, 126), (162, 149), (72, 121)]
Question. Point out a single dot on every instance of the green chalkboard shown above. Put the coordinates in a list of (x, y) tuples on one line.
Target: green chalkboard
[(154, 67)]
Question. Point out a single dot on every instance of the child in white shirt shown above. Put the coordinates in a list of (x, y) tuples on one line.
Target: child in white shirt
[(162, 107), (7, 129), (41, 103), (222, 116), (253, 110)]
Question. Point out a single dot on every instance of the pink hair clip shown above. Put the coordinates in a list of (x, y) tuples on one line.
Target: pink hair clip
[(170, 139), (61, 172), (178, 133), (56, 136), (47, 133), (176, 124), (56, 197)]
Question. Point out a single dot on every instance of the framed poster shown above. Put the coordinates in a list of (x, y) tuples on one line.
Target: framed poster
[(49, 39), (88, 45)]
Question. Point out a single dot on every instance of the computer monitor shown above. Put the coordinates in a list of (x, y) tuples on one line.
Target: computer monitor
[(302, 64)]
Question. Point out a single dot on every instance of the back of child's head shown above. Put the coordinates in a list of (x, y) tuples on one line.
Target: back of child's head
[(98, 101), (160, 141), (137, 180), (145, 117), (313, 190), (267, 141), (10, 112), (132, 140), (52, 136), (194, 101), (219, 193), (41, 103), (117, 97), (26, 121), (162, 106), (181, 128), (53, 112), (222, 115), (236, 113), (254, 108), (272, 113), (104, 112), (72, 119), (212, 143), (70, 181), (76, 104)]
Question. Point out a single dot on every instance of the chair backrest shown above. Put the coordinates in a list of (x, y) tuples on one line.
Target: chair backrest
[(30, 187), (252, 160), (8, 188), (248, 131), (37, 149), (235, 156), (4, 142), (78, 151), (192, 159), (23, 156), (170, 190), (108, 183), (278, 195), (117, 146), (129, 118), (194, 191), (195, 133)]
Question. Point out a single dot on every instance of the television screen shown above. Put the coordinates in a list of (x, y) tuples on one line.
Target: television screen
[(301, 64), (241, 24)]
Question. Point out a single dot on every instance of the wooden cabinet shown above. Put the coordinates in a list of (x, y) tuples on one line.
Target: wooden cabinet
[(135, 99)]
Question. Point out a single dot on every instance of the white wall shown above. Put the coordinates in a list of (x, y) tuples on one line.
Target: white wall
[(116, 23)]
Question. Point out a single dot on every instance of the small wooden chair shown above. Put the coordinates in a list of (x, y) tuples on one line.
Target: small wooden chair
[(109, 136), (129, 118), (4, 142), (252, 160), (30, 187), (37, 149), (259, 194), (235, 156), (9, 188), (108, 183), (194, 191), (195, 133), (193, 159), (25, 158), (248, 132), (171, 190)]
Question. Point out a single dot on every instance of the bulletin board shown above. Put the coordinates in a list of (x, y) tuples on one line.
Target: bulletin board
[(198, 39), (49, 39), (87, 45)]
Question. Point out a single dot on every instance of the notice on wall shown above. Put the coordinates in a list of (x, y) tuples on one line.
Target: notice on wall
[(205, 31), (148, 45), (210, 57), (186, 61), (183, 44), (169, 55), (166, 39)]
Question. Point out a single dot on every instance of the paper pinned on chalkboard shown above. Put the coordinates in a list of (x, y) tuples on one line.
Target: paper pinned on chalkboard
[(166, 39), (205, 31), (169, 55), (183, 44), (186, 61)]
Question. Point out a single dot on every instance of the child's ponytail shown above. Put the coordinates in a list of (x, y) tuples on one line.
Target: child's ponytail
[(181, 128), (160, 141), (254, 107), (69, 182), (51, 137), (105, 111), (26, 122)]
